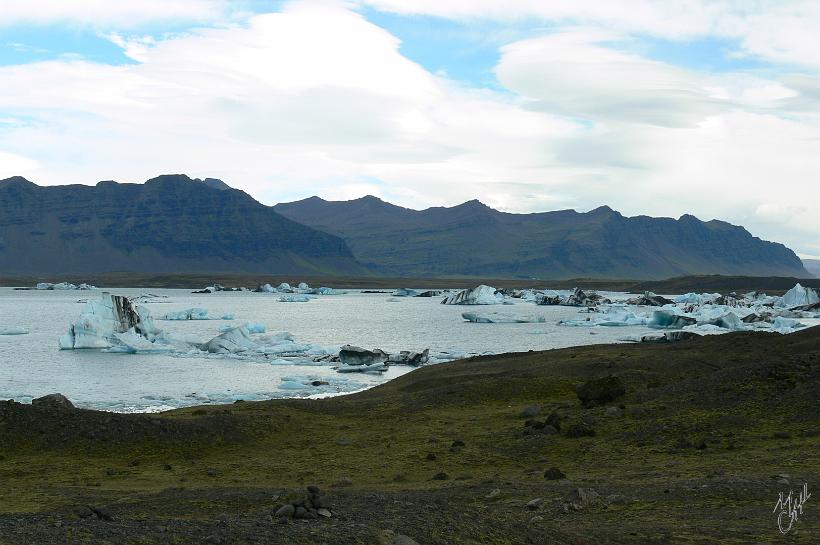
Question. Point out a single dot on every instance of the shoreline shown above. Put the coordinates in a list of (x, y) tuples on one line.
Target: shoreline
[(460, 446), (706, 283)]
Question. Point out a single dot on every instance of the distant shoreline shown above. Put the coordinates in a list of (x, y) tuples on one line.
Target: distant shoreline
[(707, 283)]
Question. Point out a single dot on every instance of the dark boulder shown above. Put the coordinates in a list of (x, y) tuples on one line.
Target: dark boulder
[(53, 401), (601, 390)]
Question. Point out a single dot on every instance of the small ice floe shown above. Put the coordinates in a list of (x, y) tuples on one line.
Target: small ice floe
[(497, 318), (670, 318), (611, 317), (303, 288), (218, 287), (294, 298), (480, 295), (405, 292), (64, 286), (253, 328), (195, 314), (149, 298), (13, 330)]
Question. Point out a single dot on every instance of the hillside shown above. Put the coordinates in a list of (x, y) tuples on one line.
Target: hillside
[(171, 223), (813, 266), (472, 239)]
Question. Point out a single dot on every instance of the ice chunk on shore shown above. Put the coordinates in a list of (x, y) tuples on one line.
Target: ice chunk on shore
[(480, 295), (496, 318), (195, 314), (798, 296), (13, 330), (101, 320)]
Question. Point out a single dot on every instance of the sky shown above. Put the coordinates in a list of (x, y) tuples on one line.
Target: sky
[(653, 107)]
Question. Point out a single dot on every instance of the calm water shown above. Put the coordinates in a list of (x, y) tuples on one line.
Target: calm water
[(31, 365)]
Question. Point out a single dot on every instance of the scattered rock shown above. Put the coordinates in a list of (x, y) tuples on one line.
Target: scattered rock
[(536, 518), (554, 474), (319, 383), (431, 457), (534, 505), (344, 481), (613, 411), (324, 513), (494, 493), (440, 476), (286, 510), (600, 391), (554, 420), (530, 411)]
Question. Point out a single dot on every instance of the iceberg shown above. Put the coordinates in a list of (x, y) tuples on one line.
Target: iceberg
[(64, 286), (496, 318), (252, 328), (101, 320), (233, 341), (195, 314), (13, 330), (696, 298), (728, 321), (480, 295), (798, 296), (612, 317), (405, 292), (576, 298), (669, 319), (649, 299)]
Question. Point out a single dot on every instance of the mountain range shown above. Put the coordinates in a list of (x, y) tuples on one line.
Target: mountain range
[(472, 239), (176, 224), (170, 223)]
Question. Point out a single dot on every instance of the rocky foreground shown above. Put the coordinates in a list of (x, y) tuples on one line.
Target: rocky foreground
[(688, 442)]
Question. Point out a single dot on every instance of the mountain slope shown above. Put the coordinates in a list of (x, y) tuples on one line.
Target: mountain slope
[(169, 224), (813, 266), (472, 239)]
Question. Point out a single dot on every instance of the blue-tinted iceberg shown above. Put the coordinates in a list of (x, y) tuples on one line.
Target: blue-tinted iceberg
[(798, 296), (101, 321)]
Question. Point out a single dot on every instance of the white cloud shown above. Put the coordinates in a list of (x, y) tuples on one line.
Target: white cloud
[(109, 13), (317, 100), (774, 30)]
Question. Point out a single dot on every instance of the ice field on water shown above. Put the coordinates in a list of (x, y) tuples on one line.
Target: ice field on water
[(31, 365)]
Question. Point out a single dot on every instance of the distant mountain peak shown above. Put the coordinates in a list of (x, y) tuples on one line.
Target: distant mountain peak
[(17, 180), (216, 183)]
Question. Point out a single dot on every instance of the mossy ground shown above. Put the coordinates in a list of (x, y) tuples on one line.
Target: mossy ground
[(218, 472)]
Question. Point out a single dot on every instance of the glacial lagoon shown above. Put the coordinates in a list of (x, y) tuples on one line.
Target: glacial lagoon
[(32, 365)]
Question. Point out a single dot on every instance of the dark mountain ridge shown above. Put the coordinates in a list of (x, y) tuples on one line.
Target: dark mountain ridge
[(171, 223), (472, 239)]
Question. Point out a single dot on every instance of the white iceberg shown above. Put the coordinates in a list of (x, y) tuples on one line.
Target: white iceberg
[(798, 296), (195, 314), (480, 295), (696, 298), (405, 292), (13, 330), (100, 321)]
